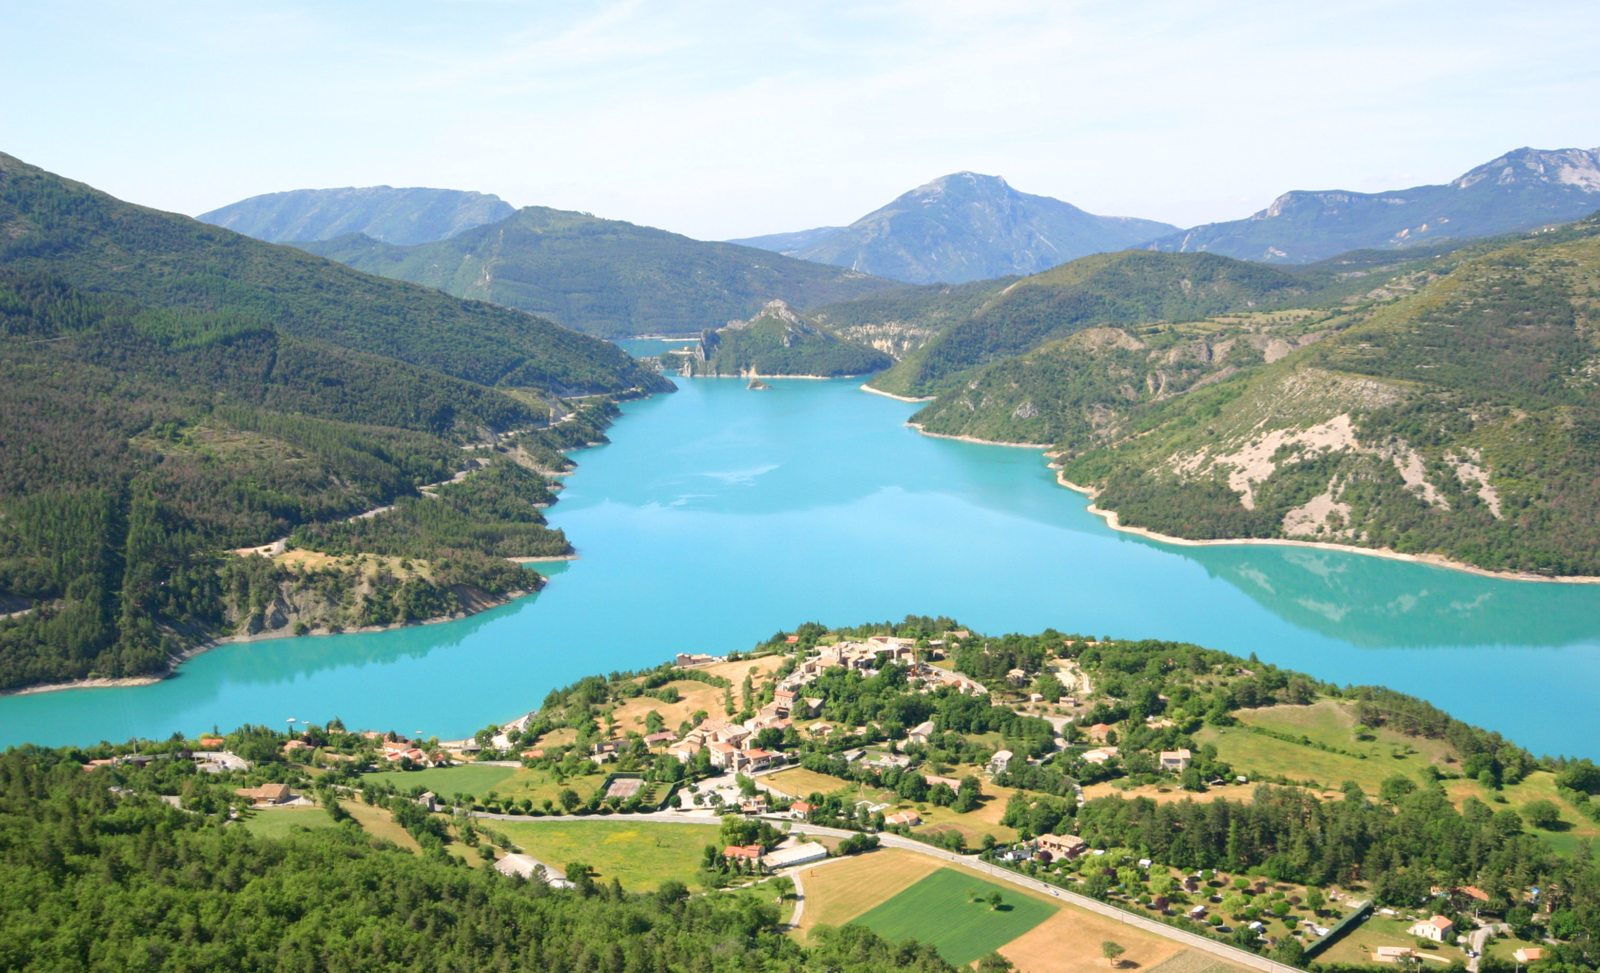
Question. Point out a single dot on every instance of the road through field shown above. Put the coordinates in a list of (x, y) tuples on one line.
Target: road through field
[(1231, 954)]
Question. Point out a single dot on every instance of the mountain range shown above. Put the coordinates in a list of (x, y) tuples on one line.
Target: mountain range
[(964, 227), (1520, 190), (399, 216), (604, 277)]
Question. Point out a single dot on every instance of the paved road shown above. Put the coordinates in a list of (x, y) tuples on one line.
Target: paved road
[(1230, 954)]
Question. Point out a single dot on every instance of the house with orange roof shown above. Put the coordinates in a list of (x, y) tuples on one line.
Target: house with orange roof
[(1435, 929)]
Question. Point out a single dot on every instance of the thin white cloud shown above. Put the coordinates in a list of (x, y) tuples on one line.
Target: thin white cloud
[(728, 119)]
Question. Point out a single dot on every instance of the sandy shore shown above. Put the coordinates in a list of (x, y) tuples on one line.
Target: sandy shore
[(178, 660), (899, 398), (973, 439), (819, 378), (1436, 560), (541, 560)]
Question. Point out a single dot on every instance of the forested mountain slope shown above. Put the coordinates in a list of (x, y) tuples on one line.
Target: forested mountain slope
[(400, 216), (1452, 409), (170, 391), (965, 227), (1519, 190), (164, 260), (1117, 288), (604, 277), (779, 342), (898, 322)]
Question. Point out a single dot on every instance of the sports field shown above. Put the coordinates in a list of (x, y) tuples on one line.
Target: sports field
[(940, 910)]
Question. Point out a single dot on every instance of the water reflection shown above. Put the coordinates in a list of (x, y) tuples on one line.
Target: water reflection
[(1382, 603)]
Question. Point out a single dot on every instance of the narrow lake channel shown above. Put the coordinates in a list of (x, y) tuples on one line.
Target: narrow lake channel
[(719, 515)]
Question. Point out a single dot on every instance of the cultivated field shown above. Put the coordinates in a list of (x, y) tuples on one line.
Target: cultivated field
[(841, 889), (1069, 942), (946, 909), (1063, 939)]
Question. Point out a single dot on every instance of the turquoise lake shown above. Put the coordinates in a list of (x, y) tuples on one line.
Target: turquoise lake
[(718, 515)]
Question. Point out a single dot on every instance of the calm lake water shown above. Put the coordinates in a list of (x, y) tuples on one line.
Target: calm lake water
[(718, 516)]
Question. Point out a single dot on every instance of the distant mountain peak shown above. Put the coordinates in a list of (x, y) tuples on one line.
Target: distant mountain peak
[(398, 216), (1570, 167), (961, 227), (1520, 190)]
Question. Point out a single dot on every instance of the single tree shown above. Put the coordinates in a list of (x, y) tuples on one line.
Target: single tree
[(1315, 900), (1112, 952)]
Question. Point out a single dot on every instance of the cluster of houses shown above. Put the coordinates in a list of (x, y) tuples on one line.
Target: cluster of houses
[(731, 745), (395, 751), (863, 656)]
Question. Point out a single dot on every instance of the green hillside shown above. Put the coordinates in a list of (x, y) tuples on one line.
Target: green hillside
[(1450, 408), (163, 260), (1113, 288), (604, 277), (174, 391), (898, 322), (778, 342)]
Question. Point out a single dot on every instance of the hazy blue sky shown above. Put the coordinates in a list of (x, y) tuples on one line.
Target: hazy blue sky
[(731, 119)]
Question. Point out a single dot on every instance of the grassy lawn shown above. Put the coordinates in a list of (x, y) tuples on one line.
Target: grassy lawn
[(940, 910), (1539, 785), (277, 821), (379, 824), (1262, 756), (800, 782), (641, 856), (464, 779), (1358, 945)]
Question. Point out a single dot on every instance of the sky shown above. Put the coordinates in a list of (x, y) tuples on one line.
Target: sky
[(731, 119)]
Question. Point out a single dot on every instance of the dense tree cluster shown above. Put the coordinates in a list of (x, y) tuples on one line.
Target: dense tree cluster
[(99, 873)]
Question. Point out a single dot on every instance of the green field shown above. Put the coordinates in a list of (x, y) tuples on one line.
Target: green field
[(939, 910), (276, 822), (478, 780), (471, 779), (640, 855)]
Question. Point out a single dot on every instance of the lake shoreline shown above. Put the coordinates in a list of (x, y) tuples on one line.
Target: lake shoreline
[(177, 661), (1435, 560), (898, 398), (973, 439)]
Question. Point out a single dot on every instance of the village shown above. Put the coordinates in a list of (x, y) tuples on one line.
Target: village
[(822, 738)]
